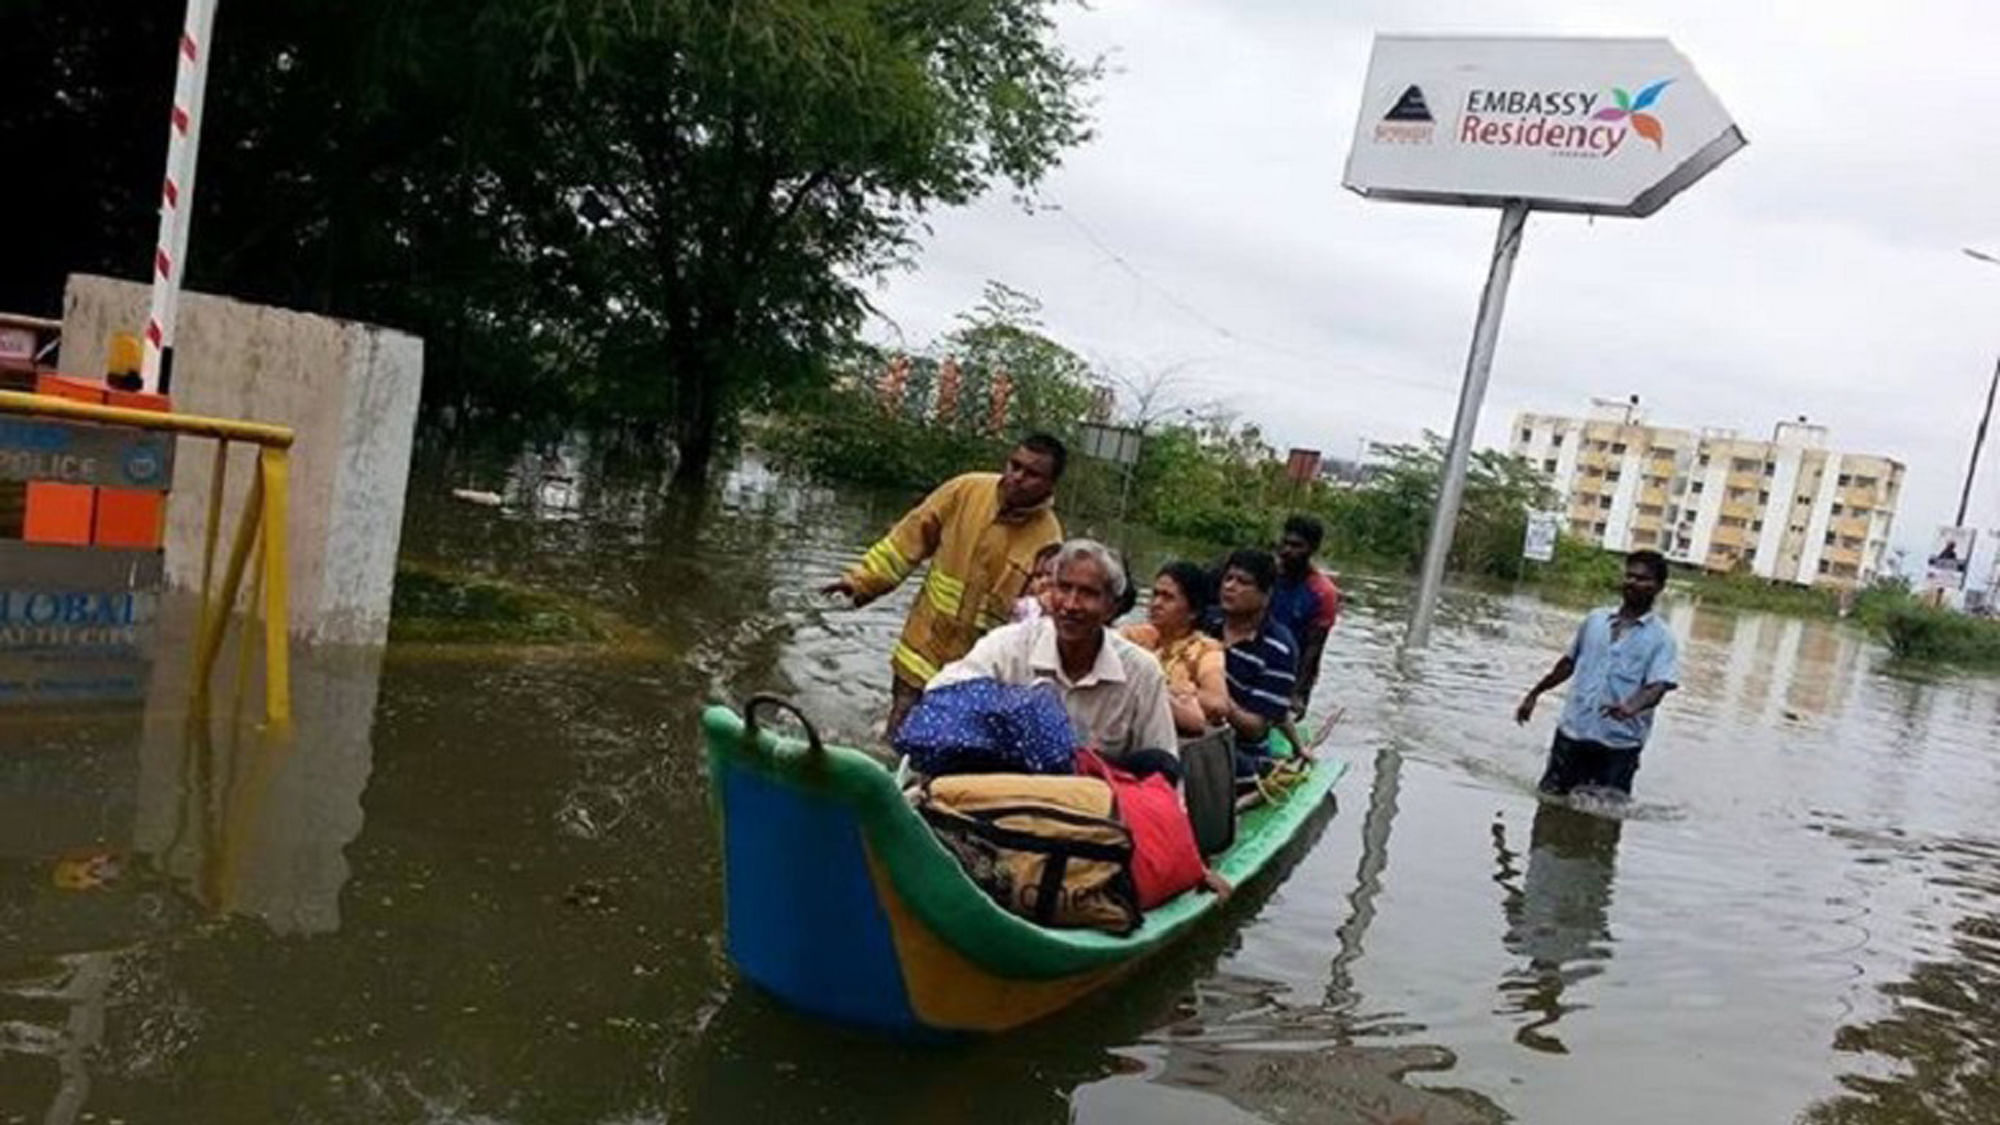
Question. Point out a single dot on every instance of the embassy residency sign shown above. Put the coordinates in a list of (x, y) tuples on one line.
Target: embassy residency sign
[(1595, 126), (1602, 126)]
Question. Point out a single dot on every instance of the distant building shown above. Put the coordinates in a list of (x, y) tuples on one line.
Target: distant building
[(1788, 509)]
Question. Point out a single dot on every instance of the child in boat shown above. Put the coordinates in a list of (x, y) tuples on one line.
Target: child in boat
[(1034, 599)]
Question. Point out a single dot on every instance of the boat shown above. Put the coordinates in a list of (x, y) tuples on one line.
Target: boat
[(840, 902)]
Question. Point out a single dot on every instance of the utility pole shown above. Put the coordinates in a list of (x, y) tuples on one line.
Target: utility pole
[(1978, 442)]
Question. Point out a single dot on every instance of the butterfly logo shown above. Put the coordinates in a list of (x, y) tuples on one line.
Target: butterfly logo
[(1634, 110)]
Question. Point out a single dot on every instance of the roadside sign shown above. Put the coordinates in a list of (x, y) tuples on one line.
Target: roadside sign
[(33, 449), (1950, 558), (1543, 527), (1594, 126), (1603, 126)]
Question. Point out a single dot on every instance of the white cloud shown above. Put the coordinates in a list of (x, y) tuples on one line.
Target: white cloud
[(1817, 272)]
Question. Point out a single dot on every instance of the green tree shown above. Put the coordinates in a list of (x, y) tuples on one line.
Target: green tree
[(649, 210)]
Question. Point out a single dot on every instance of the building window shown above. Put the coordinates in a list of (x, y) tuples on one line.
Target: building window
[(1845, 480), (1756, 525), (1549, 466), (1617, 447), (1824, 566), (1604, 501), (1770, 468), (1597, 528), (1556, 442), (1695, 487), (1763, 498), (1837, 509), (1830, 537), (1611, 474)]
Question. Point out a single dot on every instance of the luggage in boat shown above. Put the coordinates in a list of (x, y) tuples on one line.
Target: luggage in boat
[(1208, 778), (1165, 860), (1050, 849), (984, 726)]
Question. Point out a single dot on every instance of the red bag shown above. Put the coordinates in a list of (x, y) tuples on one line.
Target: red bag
[(1165, 860)]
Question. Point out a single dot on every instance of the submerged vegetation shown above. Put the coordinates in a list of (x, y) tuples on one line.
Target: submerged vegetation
[(432, 607)]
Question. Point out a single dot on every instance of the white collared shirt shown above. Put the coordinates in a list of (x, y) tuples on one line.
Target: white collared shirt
[(1119, 706)]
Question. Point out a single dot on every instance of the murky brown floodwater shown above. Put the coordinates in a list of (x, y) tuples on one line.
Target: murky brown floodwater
[(483, 888)]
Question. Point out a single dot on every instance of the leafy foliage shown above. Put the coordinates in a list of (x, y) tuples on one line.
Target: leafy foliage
[(645, 210)]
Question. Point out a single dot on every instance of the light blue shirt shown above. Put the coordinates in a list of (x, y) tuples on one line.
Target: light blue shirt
[(1609, 671)]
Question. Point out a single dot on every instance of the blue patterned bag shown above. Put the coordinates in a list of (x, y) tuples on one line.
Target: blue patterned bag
[(985, 726)]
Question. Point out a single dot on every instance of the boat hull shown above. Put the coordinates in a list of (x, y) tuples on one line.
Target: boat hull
[(841, 903)]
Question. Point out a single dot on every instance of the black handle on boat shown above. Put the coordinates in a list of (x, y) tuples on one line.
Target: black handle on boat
[(813, 743)]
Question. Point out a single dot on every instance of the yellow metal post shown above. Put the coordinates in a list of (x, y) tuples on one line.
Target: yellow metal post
[(217, 478), (275, 468), (215, 625)]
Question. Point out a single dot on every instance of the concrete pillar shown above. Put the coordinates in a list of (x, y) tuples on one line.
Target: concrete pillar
[(350, 390)]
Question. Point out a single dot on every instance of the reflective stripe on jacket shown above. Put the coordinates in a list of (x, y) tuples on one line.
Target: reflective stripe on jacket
[(979, 560)]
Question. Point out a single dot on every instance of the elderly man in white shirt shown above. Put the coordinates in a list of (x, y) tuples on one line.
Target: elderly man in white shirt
[(1114, 691)]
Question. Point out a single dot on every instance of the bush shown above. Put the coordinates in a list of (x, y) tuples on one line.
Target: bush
[(1930, 635)]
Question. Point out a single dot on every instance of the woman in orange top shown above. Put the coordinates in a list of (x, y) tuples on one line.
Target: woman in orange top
[(1196, 689)]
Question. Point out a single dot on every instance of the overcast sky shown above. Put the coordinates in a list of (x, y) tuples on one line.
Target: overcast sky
[(1816, 272)]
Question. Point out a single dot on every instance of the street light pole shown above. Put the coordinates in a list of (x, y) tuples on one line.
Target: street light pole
[(1979, 435)]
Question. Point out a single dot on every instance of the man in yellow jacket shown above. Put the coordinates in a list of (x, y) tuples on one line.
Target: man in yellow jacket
[(981, 532)]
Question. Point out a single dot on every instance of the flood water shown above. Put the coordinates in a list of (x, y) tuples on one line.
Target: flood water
[(483, 886)]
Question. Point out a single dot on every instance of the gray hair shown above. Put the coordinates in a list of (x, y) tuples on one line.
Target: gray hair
[(1114, 570)]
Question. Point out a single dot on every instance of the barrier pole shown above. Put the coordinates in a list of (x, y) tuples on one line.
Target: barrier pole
[(177, 194)]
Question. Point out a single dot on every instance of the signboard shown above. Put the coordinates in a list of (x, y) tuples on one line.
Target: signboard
[(1301, 465), (1603, 126), (1950, 554), (1543, 527), (77, 624), (1116, 444), (81, 453), (17, 346)]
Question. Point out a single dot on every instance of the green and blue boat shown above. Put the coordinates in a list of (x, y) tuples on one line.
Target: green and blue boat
[(841, 902)]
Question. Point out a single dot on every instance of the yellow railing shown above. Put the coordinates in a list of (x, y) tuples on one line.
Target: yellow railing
[(262, 527)]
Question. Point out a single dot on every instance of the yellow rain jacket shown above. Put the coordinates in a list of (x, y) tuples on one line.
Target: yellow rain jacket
[(980, 562)]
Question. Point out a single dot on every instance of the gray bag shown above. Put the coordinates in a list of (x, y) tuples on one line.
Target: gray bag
[(1208, 782)]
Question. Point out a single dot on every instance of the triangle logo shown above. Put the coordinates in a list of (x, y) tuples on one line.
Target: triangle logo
[(1410, 107)]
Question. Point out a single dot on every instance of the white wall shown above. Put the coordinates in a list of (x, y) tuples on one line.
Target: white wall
[(1776, 512), (1822, 515), (1618, 521), (349, 390)]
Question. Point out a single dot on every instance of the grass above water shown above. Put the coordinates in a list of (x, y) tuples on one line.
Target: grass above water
[(432, 607), (1924, 634)]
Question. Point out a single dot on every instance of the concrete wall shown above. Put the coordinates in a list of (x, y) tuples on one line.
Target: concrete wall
[(349, 390)]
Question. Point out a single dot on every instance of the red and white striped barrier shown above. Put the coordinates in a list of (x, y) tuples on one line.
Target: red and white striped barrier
[(177, 194)]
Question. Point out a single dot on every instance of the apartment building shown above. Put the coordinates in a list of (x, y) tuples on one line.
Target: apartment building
[(1788, 509)]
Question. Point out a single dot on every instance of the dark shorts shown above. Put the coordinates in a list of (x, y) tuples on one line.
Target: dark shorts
[(1574, 763)]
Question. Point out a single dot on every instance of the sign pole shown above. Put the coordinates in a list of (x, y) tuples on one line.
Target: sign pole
[(1478, 366), (177, 196), (1978, 441)]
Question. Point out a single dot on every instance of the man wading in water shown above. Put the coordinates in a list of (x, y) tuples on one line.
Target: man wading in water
[(1625, 661)]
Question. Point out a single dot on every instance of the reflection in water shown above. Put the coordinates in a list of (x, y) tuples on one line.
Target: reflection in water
[(1941, 1036), (217, 817), (1555, 915)]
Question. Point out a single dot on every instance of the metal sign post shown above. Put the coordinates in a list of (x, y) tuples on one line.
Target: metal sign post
[(177, 195), (1586, 126), (1478, 366)]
